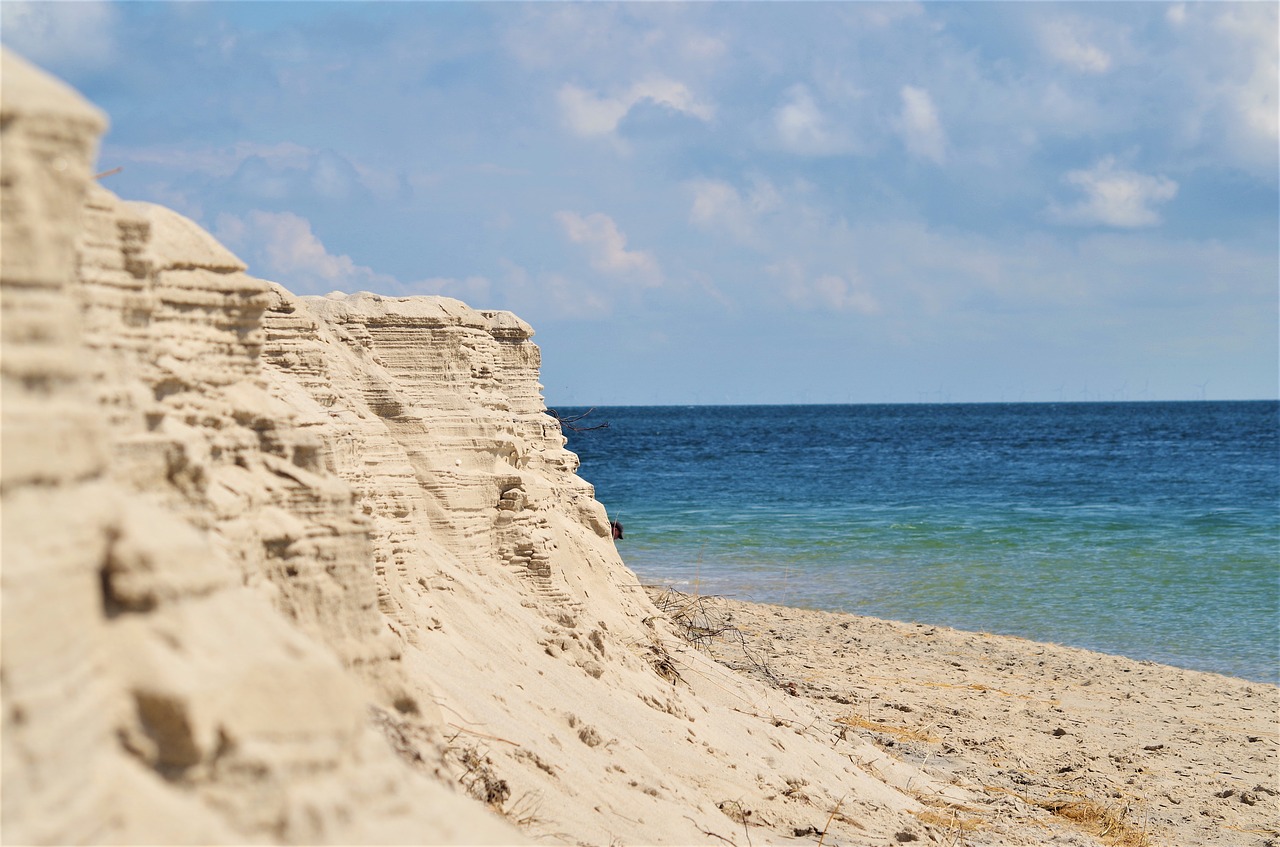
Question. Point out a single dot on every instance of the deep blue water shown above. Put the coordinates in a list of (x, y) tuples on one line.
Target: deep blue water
[(1149, 530)]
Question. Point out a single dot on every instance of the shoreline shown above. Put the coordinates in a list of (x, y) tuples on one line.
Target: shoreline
[(1127, 750), (685, 586)]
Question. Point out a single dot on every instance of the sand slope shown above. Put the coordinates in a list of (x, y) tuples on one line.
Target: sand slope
[(319, 570)]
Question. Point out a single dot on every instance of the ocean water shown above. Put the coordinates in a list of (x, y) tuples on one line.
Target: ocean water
[(1149, 530)]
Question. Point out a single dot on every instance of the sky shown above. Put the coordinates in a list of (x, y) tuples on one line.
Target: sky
[(735, 203)]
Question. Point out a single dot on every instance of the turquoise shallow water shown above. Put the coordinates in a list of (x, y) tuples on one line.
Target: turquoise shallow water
[(1150, 530)]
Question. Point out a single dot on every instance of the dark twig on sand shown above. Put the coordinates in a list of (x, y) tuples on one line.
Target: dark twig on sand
[(700, 625)]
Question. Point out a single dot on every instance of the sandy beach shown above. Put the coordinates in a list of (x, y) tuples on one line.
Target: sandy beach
[(1049, 740)]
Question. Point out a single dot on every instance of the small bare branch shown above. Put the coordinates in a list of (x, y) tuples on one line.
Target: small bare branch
[(570, 422)]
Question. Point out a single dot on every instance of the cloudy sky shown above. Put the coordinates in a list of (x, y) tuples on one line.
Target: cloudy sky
[(735, 203)]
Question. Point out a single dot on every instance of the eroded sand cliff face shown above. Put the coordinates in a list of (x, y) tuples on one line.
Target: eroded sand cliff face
[(320, 570), (153, 690)]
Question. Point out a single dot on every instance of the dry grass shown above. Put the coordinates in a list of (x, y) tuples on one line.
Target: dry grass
[(1102, 820), (700, 625), (1275, 832), (948, 823), (479, 778), (695, 622), (896, 731), (524, 812), (969, 686)]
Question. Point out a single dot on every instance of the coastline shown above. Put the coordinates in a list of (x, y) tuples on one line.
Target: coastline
[(1145, 531), (1052, 738)]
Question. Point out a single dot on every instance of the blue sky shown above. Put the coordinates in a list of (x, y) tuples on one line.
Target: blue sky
[(735, 203)]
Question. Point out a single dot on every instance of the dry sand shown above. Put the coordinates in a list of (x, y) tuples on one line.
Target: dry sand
[(1135, 752)]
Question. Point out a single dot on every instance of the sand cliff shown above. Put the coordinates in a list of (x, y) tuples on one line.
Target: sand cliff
[(283, 568)]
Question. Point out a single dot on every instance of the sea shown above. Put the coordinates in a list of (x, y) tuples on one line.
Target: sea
[(1149, 530)]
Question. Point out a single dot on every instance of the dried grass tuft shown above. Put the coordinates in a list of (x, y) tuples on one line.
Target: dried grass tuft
[(701, 625), (951, 822), (896, 731), (695, 622), (1101, 820)]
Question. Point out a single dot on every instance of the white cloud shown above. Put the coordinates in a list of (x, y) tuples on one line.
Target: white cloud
[(921, 130), (572, 300), (1225, 62), (607, 247), (882, 15), (719, 205), (1068, 43), (549, 294), (1114, 197), (546, 35), (62, 34), (591, 115), (801, 126), (281, 246), (829, 292), (844, 295), (1253, 94), (703, 47)]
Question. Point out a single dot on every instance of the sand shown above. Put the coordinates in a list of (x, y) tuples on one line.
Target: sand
[(1174, 756), (320, 570)]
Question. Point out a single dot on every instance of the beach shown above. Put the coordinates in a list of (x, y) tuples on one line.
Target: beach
[(1047, 739)]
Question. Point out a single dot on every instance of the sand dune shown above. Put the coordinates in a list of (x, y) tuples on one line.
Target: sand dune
[(319, 570)]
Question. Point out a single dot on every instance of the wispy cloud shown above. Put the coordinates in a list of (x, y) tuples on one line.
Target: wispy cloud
[(277, 171), (606, 247), (281, 246), (802, 127), (1069, 43), (62, 34), (717, 204), (827, 292), (592, 115), (1253, 92), (921, 130), (550, 294), (1114, 197)]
